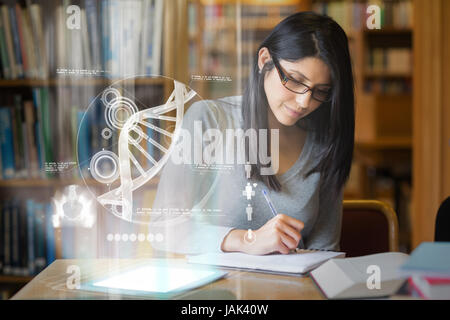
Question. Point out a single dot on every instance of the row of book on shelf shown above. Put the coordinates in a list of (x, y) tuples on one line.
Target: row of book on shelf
[(28, 237), (388, 86), (48, 129), (352, 15), (113, 38), (395, 60)]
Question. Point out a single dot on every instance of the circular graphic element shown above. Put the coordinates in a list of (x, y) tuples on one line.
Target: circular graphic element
[(118, 112), (104, 166), (107, 94), (106, 133), (250, 236)]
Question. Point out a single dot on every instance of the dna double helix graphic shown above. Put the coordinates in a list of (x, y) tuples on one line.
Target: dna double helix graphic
[(120, 198)]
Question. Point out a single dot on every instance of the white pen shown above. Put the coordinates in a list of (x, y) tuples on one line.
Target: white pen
[(269, 202)]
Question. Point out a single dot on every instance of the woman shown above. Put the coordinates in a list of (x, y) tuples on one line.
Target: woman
[(302, 85)]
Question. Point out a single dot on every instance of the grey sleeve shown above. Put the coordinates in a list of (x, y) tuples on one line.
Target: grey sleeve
[(183, 186), (326, 233)]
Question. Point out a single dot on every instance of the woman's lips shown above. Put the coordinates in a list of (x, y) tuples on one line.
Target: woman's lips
[(292, 113)]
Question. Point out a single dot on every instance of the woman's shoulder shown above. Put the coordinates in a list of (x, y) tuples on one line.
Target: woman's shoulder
[(225, 112)]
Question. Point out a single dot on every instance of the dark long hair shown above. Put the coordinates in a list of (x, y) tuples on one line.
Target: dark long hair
[(301, 35)]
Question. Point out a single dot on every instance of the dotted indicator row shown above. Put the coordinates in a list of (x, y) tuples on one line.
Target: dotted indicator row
[(132, 237)]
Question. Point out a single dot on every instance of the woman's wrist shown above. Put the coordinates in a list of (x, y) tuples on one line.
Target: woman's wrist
[(233, 241)]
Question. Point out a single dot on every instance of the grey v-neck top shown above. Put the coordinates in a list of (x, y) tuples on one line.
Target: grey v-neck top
[(204, 203)]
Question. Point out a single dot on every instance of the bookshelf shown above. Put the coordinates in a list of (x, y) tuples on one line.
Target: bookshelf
[(75, 66), (382, 65), (223, 38)]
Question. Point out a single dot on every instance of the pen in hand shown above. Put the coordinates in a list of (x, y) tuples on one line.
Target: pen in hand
[(274, 212)]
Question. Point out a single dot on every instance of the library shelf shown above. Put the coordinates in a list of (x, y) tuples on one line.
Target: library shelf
[(63, 81)]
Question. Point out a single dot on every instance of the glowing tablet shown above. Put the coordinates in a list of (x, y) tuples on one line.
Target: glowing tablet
[(156, 279)]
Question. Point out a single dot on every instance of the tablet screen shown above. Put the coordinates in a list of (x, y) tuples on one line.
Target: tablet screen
[(158, 279)]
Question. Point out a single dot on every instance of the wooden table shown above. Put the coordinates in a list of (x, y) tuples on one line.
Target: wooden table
[(51, 283)]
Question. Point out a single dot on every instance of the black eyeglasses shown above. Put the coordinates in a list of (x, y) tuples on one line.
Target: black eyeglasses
[(321, 95)]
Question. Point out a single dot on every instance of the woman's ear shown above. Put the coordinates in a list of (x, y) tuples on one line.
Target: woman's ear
[(263, 57)]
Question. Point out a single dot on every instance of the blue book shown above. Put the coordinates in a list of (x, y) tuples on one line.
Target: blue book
[(50, 233), (429, 259), (16, 42), (30, 232), (6, 144), (84, 141), (38, 129)]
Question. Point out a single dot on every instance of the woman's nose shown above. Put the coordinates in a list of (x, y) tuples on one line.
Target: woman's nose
[(303, 100)]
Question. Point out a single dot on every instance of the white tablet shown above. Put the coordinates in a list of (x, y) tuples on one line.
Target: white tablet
[(156, 279)]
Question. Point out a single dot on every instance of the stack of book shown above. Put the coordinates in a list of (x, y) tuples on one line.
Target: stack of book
[(428, 270), (28, 237), (25, 136)]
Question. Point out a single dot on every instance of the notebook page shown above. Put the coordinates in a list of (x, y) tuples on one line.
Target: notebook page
[(292, 263)]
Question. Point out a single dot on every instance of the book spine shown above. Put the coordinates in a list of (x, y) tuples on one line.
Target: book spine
[(15, 254), (84, 140), (16, 42), (4, 50), (106, 36), (40, 241), (94, 33), (19, 137), (37, 39), (15, 139), (87, 57), (31, 236), (7, 238), (9, 42), (157, 37), (29, 44), (38, 129), (31, 141), (50, 233), (6, 144), (23, 241), (46, 128), (22, 42)]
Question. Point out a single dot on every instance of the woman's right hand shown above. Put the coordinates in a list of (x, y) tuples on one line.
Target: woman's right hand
[(279, 234)]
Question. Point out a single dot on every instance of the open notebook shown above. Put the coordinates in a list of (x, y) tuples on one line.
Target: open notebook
[(300, 262)]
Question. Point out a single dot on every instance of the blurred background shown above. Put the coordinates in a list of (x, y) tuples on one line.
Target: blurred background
[(58, 56)]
